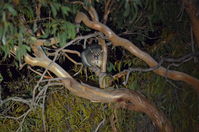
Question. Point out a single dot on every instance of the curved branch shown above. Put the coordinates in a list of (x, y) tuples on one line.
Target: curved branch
[(123, 97), (118, 41), (46, 63)]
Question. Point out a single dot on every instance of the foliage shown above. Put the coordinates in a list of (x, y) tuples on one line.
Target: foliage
[(15, 17)]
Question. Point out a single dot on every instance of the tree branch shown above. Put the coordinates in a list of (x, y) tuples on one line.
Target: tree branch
[(123, 97), (118, 41)]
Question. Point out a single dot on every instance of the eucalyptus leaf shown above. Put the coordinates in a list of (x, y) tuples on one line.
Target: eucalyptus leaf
[(134, 85), (12, 10), (5, 49), (65, 10), (127, 9), (110, 67), (1, 79), (53, 9), (21, 51)]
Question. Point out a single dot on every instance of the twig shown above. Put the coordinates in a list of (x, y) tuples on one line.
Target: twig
[(16, 99), (53, 79), (192, 44), (99, 125), (72, 60), (43, 108), (71, 51), (48, 77), (182, 59), (23, 119), (77, 39), (79, 70), (141, 70)]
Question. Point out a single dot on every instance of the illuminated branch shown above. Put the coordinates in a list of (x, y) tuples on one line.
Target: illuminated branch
[(71, 51), (123, 97), (118, 41), (105, 54)]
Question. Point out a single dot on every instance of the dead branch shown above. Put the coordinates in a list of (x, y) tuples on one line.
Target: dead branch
[(118, 41), (32, 103)]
